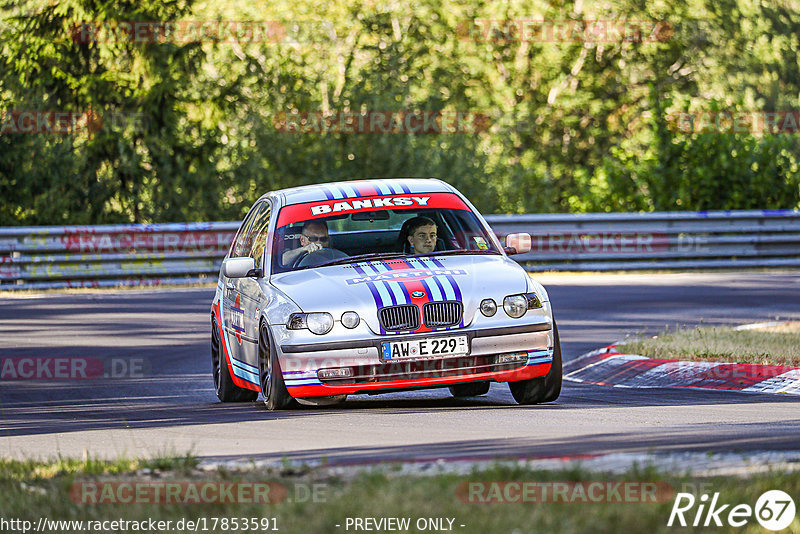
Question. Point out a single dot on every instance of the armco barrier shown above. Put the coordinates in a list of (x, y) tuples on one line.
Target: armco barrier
[(153, 254), (111, 255), (657, 240)]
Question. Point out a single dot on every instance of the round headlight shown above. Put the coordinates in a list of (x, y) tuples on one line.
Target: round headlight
[(515, 305), (488, 307), (319, 323), (350, 319)]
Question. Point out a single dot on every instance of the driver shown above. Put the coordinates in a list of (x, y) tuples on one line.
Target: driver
[(418, 235), (313, 237)]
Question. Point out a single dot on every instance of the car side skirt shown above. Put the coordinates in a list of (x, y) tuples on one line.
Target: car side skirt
[(243, 374)]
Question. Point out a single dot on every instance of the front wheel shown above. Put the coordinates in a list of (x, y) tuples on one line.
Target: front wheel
[(273, 388), (545, 388), (226, 390)]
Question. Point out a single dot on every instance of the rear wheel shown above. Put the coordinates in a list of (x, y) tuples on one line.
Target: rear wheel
[(273, 389), (226, 390), (470, 390), (545, 388)]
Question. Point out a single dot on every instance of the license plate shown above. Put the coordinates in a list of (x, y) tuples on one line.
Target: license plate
[(432, 347)]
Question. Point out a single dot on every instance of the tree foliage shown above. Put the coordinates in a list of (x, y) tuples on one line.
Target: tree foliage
[(186, 129)]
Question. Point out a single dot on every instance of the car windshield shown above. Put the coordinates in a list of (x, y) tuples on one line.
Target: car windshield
[(355, 232)]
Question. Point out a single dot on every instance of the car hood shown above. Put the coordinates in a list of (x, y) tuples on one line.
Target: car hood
[(367, 286)]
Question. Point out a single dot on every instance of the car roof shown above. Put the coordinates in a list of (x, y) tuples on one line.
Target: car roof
[(361, 188)]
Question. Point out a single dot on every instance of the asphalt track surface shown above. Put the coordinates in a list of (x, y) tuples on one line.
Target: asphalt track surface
[(169, 406)]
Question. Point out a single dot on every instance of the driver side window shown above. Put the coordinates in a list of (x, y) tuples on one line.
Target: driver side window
[(257, 237), (237, 247)]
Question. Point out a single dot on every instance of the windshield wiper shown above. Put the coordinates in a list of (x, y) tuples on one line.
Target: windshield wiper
[(364, 257)]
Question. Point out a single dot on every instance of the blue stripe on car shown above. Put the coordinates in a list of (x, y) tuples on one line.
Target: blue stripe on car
[(244, 365), (539, 357), (384, 288), (436, 287), (376, 294), (336, 192), (351, 192), (243, 373), (297, 384)]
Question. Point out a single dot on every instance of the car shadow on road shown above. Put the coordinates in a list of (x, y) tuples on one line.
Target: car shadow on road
[(665, 441), (31, 408)]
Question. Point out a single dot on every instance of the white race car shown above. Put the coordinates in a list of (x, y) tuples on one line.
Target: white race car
[(375, 286)]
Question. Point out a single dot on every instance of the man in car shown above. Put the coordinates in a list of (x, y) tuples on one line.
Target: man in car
[(418, 235), (313, 237)]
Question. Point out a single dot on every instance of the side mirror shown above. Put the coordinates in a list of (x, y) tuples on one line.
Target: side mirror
[(518, 243), (239, 267)]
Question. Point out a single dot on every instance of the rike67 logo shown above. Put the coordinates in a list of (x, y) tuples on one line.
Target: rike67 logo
[(774, 510)]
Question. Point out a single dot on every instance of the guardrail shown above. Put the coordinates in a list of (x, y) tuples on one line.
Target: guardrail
[(112, 255), (179, 253), (657, 240)]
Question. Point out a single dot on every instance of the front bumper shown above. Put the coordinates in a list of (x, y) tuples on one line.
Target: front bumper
[(531, 343)]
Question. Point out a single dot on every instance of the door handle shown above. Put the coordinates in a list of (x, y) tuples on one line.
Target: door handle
[(230, 286)]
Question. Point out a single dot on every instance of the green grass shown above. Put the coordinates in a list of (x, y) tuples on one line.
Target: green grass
[(29, 490), (779, 345), (34, 470)]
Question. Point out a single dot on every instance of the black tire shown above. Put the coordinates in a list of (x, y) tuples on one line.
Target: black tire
[(545, 388), (472, 389), (273, 388), (226, 390)]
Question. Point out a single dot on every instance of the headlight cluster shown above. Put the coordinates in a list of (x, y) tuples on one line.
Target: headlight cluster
[(320, 322), (514, 305)]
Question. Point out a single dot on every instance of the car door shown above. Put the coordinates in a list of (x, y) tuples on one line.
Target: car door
[(249, 291), (233, 313)]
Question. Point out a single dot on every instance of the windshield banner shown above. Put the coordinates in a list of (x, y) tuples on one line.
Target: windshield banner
[(326, 208)]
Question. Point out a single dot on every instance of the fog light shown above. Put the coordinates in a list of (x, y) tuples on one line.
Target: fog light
[(350, 319), (515, 305), (339, 372), (488, 307), (512, 357)]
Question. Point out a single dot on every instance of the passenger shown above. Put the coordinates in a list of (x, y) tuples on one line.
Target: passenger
[(418, 235), (313, 237)]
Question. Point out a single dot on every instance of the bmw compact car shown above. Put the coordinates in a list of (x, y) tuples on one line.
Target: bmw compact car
[(377, 286)]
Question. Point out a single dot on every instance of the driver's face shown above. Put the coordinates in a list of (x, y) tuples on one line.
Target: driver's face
[(315, 234), (423, 239)]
